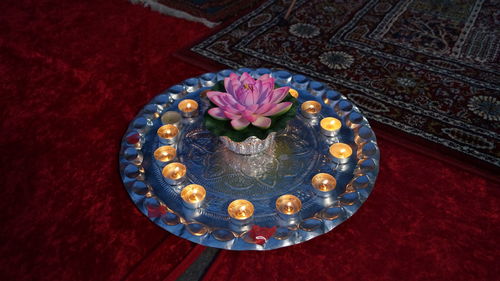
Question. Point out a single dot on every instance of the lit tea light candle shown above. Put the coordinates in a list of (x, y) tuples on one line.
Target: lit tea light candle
[(174, 173), (294, 93), (193, 195), (165, 154), (330, 126), (188, 108), (240, 209), (310, 109), (168, 134), (340, 152), (323, 183), (171, 118), (288, 204)]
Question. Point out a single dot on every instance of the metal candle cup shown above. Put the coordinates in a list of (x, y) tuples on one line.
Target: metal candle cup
[(174, 173), (188, 108), (164, 154), (168, 134), (288, 204), (340, 152), (171, 118), (310, 109), (330, 126), (240, 210), (323, 184), (193, 195)]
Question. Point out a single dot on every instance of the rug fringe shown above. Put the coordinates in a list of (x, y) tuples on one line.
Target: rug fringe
[(155, 6)]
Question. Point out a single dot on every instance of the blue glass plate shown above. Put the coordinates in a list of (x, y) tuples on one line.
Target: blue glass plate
[(300, 152)]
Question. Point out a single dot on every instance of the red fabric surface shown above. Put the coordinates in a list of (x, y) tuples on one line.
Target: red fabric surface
[(425, 220), (72, 76)]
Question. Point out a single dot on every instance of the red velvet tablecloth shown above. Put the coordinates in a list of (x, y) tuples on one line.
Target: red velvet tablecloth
[(72, 76)]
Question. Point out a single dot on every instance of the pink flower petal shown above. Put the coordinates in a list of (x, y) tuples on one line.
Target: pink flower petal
[(239, 124), (265, 93), (217, 100), (250, 98), (262, 122), (232, 115), (267, 81), (264, 77), (279, 94), (213, 94), (228, 85), (240, 94), (217, 113), (249, 116), (246, 76), (240, 107), (277, 109), (227, 81), (264, 108), (253, 107), (233, 88), (225, 101), (229, 100)]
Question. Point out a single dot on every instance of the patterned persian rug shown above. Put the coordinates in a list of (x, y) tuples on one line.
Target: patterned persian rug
[(208, 12), (426, 67)]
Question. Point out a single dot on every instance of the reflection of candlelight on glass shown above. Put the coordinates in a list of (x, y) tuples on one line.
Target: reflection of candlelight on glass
[(343, 107), (340, 152), (168, 133), (193, 195), (323, 183), (165, 153), (330, 126), (240, 209), (353, 120), (331, 97), (188, 108), (172, 118), (362, 134), (174, 173), (310, 109), (294, 93), (288, 204)]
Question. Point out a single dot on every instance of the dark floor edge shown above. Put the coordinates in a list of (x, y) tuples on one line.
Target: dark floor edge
[(198, 268)]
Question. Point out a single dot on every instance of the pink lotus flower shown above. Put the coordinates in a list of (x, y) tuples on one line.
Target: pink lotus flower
[(249, 101)]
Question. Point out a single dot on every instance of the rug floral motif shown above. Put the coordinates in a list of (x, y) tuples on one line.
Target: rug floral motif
[(427, 67)]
